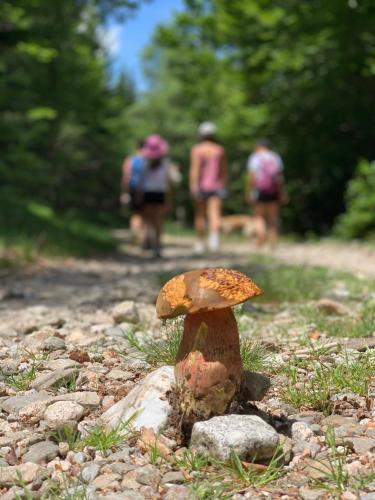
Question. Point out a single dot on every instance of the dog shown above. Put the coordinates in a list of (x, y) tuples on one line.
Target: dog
[(244, 223)]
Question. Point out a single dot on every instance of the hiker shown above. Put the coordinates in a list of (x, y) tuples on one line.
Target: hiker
[(207, 186), (132, 190), (266, 191), (158, 179)]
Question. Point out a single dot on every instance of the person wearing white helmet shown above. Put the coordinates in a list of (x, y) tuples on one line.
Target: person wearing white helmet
[(208, 169)]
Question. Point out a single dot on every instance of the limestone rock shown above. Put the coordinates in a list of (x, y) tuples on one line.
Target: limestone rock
[(248, 435), (86, 399), (27, 471), (63, 413), (49, 379), (254, 385), (126, 312), (147, 400), (15, 404), (43, 451)]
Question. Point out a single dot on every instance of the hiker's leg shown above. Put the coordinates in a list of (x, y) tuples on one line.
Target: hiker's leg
[(200, 225), (273, 222), (214, 204), (260, 223)]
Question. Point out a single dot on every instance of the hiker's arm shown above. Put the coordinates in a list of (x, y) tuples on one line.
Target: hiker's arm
[(194, 173), (125, 176), (124, 194)]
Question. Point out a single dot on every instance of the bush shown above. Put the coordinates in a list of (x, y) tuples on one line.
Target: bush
[(359, 219)]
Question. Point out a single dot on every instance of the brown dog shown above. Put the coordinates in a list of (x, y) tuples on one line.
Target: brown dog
[(244, 223)]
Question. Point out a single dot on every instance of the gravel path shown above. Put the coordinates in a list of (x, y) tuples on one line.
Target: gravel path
[(133, 275), (66, 363)]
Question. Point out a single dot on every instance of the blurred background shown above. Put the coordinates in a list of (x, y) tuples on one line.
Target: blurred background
[(82, 80)]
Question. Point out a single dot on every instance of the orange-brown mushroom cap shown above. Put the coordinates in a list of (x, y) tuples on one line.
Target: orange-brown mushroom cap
[(204, 290)]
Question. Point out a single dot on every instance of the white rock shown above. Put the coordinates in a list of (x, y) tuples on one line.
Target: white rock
[(33, 412), (126, 312), (147, 399), (10, 475), (248, 435), (301, 432), (63, 413)]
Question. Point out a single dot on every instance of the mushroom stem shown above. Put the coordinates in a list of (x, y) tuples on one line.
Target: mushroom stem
[(208, 365)]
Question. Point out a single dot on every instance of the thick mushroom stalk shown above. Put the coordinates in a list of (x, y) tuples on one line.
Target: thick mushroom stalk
[(208, 364)]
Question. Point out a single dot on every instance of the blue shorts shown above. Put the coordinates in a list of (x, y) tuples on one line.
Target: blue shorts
[(204, 195)]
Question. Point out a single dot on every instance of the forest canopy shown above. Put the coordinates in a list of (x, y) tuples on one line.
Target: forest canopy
[(300, 73)]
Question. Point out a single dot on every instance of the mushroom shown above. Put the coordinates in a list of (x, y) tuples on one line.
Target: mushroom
[(208, 368)]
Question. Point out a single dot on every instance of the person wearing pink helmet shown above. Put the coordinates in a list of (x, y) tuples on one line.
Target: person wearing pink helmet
[(156, 188)]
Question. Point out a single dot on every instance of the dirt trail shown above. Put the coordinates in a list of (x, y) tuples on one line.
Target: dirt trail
[(133, 275)]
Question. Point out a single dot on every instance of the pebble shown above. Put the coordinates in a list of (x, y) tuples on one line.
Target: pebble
[(28, 471), (63, 413), (90, 472), (126, 312), (248, 435), (254, 385), (43, 451)]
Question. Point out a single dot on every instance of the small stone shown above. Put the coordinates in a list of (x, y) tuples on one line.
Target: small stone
[(43, 451), (63, 413), (33, 412), (90, 472), (53, 344), (121, 375), (80, 356), (115, 331), (60, 364), (348, 495), (49, 379), (104, 481), (15, 403), (28, 471), (248, 435), (331, 307), (63, 449), (148, 475), (173, 477), (306, 449), (311, 494), (85, 398), (177, 492), (301, 432), (147, 401), (126, 312), (362, 445), (254, 385)]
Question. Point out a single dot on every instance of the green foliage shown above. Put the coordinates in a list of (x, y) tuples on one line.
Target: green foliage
[(254, 356), (61, 124), (66, 434), (104, 438), (158, 352), (301, 73), (362, 326), (325, 381), (358, 221), (36, 227)]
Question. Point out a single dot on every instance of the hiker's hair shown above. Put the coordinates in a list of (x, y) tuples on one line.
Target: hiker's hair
[(140, 143), (263, 142)]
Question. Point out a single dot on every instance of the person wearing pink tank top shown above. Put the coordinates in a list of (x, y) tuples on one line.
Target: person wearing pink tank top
[(207, 186)]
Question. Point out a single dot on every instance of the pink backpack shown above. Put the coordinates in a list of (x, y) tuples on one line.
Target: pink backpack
[(267, 178)]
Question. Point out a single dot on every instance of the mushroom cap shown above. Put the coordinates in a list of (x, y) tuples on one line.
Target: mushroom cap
[(204, 290)]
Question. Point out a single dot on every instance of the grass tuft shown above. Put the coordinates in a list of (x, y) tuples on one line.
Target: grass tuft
[(315, 392), (158, 352)]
